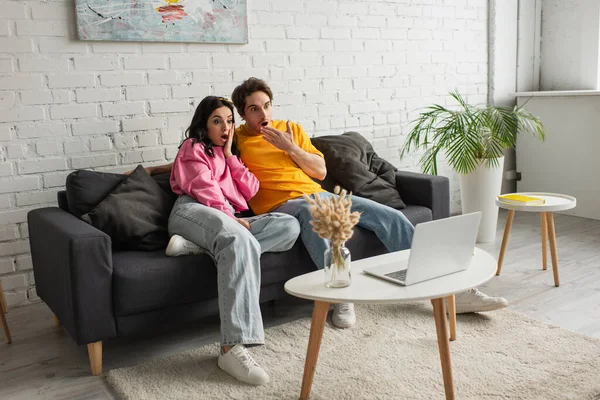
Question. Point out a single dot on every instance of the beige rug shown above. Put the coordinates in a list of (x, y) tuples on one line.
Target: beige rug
[(391, 354)]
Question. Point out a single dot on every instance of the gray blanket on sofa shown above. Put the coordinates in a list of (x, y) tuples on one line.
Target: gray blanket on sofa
[(354, 165)]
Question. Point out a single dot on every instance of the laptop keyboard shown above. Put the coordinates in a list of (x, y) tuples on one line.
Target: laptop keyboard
[(399, 275)]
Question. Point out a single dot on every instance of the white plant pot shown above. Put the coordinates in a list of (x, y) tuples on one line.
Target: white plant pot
[(478, 191)]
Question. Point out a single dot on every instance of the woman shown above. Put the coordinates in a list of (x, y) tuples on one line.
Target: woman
[(214, 186)]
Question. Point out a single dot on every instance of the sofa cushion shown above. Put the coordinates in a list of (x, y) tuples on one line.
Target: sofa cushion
[(86, 189), (134, 214), (352, 162), (145, 281)]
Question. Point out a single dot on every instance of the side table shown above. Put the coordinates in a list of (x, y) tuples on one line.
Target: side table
[(554, 202), (4, 310)]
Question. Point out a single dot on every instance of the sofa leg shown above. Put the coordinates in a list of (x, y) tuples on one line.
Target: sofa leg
[(95, 354), (55, 321)]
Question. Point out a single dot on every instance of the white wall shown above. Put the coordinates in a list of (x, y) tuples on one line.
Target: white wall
[(503, 28), (570, 44), (503, 52), (333, 65), (529, 45), (567, 162)]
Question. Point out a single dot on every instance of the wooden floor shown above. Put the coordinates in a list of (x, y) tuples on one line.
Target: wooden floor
[(44, 363)]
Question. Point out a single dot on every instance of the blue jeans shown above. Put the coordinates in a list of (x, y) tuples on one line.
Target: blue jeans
[(236, 251), (391, 226)]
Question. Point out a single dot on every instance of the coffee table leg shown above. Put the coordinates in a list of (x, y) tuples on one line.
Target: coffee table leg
[(452, 316), (314, 344), (509, 221), (444, 346), (544, 241), (553, 252)]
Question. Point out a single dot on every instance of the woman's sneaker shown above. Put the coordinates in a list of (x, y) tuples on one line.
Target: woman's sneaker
[(178, 246), (238, 363)]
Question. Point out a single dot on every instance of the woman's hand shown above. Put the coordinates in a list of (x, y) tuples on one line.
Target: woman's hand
[(245, 223), (227, 148)]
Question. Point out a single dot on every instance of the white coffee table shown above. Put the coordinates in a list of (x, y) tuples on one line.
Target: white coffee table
[(554, 202), (368, 289)]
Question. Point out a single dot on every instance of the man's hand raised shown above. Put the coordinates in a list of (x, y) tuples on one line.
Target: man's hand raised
[(282, 140)]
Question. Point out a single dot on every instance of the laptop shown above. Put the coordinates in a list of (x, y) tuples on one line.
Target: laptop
[(439, 248)]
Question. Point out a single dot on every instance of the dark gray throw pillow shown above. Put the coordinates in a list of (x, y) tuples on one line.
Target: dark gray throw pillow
[(353, 164), (85, 189), (134, 214)]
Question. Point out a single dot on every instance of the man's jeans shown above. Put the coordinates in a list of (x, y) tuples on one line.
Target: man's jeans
[(236, 252), (391, 226)]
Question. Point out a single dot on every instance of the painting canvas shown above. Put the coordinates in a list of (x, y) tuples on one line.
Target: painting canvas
[(207, 21)]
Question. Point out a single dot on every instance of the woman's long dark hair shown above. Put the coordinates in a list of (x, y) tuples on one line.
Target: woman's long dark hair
[(198, 130)]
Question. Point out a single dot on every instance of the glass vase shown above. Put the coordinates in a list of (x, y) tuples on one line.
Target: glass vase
[(337, 266)]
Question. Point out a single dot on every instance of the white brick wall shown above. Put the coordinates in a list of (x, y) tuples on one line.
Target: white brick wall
[(333, 65)]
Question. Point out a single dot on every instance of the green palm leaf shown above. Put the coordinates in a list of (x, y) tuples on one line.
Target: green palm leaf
[(468, 136)]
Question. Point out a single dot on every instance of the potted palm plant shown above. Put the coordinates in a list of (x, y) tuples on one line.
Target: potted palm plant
[(473, 140)]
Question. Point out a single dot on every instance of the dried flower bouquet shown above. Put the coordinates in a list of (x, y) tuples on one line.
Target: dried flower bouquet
[(332, 220)]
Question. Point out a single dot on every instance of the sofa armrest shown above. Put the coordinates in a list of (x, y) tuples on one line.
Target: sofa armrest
[(431, 191), (72, 265)]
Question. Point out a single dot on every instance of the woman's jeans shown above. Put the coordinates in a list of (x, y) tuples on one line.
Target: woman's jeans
[(391, 226), (236, 252)]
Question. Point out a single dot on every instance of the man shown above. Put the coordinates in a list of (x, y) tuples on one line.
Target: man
[(284, 160)]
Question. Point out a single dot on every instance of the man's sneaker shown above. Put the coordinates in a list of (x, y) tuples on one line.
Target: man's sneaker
[(178, 246), (238, 363), (475, 301), (343, 315)]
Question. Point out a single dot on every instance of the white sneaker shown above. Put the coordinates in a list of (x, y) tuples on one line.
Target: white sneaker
[(178, 246), (343, 315), (238, 363), (475, 301)]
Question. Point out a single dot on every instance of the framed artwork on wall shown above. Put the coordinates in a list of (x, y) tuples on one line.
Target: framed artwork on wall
[(203, 21)]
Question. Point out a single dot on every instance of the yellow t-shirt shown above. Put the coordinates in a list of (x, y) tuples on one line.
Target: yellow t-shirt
[(281, 179)]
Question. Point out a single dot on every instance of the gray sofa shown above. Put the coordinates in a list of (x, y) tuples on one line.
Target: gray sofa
[(99, 294)]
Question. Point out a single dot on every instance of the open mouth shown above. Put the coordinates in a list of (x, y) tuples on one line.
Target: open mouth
[(264, 123), (224, 137)]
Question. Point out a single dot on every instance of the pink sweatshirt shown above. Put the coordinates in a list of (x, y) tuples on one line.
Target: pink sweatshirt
[(213, 181)]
